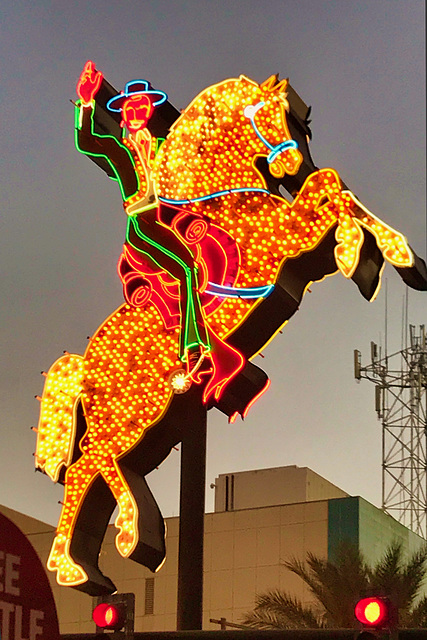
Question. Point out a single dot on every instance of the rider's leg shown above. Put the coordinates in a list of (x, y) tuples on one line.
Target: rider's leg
[(161, 244), (165, 248)]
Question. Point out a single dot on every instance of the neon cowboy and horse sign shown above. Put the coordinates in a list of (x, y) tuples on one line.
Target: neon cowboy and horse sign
[(215, 261)]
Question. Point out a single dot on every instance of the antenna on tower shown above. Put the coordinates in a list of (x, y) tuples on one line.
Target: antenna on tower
[(401, 404), (386, 321)]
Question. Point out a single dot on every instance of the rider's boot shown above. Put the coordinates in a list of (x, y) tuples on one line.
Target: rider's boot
[(226, 362)]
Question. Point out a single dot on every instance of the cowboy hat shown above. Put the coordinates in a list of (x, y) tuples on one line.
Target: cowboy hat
[(135, 88)]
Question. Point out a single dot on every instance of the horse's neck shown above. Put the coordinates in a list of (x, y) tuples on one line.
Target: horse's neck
[(265, 246)]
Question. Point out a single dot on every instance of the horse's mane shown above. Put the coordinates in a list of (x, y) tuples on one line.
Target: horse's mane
[(212, 146)]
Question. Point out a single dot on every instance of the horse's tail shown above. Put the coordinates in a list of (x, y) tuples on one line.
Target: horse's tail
[(57, 423)]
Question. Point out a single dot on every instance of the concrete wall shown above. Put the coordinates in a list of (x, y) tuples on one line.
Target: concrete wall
[(268, 487), (243, 555)]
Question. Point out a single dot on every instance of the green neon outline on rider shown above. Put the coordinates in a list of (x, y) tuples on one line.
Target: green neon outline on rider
[(191, 336)]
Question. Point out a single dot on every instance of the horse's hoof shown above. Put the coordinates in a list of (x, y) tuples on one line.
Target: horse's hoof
[(69, 573), (83, 577)]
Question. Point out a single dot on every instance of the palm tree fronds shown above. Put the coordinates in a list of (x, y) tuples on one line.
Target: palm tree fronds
[(278, 610), (418, 615), (399, 579), (337, 585)]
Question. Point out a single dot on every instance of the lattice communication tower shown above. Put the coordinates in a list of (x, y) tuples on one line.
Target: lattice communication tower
[(401, 403)]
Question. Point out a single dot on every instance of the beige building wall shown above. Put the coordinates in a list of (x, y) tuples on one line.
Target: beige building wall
[(244, 548), (243, 551), (268, 487), (70, 604), (242, 556)]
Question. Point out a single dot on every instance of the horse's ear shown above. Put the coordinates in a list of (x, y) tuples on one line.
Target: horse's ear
[(273, 84), (270, 83), (243, 78)]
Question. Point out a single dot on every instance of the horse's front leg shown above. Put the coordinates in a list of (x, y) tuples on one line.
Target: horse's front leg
[(322, 193), (392, 243), (322, 204)]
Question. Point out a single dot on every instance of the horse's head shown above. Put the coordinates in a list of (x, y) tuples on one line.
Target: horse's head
[(213, 147)]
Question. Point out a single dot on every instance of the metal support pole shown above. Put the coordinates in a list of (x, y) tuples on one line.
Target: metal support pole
[(191, 522)]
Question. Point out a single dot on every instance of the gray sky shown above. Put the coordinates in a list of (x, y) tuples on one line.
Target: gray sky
[(360, 64)]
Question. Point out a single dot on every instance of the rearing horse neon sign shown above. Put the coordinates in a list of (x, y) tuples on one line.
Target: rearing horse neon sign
[(214, 263)]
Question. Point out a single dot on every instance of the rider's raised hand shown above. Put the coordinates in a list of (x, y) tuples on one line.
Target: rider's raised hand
[(89, 83)]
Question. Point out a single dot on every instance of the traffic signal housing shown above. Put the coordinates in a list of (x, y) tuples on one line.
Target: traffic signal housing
[(376, 614), (114, 613)]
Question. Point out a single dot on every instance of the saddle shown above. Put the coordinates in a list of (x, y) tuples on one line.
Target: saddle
[(216, 255)]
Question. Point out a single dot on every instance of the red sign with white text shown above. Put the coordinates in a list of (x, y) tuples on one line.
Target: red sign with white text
[(27, 606)]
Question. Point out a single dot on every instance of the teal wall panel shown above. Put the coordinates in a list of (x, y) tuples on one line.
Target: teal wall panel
[(377, 530), (355, 520), (343, 523)]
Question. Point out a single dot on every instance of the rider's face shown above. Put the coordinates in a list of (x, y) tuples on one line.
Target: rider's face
[(136, 112)]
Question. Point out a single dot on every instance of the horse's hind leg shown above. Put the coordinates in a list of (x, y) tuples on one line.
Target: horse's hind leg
[(127, 519), (150, 548), (79, 478), (88, 533)]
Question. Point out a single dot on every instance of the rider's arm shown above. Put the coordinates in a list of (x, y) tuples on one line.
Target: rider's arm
[(116, 154), (97, 145)]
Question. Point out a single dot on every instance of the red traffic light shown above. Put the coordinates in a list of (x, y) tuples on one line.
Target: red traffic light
[(109, 616), (373, 612)]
